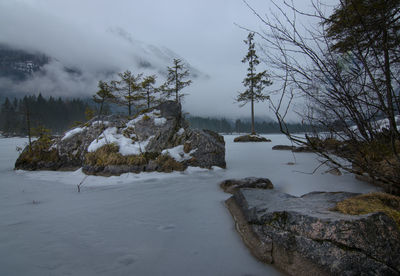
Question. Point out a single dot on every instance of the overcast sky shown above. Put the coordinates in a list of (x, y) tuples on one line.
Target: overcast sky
[(79, 32)]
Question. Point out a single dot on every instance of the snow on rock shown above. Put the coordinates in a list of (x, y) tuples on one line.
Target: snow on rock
[(159, 121), (105, 123), (73, 132), (180, 131), (178, 153), (154, 115), (126, 145)]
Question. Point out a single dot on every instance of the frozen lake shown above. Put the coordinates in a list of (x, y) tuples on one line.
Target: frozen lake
[(146, 224)]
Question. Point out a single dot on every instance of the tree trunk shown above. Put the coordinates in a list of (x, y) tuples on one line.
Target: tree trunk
[(176, 85), (28, 125), (389, 88), (253, 132)]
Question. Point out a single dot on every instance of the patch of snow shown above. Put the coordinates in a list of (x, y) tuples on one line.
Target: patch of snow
[(180, 131), (159, 121), (73, 132), (177, 153), (126, 145), (379, 125), (106, 123), (155, 114)]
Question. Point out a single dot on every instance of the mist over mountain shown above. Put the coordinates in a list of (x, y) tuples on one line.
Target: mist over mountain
[(28, 71)]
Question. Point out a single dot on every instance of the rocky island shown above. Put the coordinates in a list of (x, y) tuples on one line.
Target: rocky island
[(158, 139)]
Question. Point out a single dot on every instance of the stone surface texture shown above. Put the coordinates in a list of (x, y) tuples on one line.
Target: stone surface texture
[(303, 236)]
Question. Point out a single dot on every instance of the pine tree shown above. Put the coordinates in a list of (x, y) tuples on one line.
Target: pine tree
[(256, 82), (148, 89), (103, 95), (175, 80), (128, 88), (370, 30), (7, 117)]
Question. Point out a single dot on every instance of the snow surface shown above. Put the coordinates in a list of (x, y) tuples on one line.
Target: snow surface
[(142, 224), (73, 132), (126, 145)]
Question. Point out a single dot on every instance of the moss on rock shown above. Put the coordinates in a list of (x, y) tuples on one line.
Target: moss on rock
[(371, 203)]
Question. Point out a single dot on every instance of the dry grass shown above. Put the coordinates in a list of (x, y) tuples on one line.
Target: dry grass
[(109, 155), (370, 203), (168, 164)]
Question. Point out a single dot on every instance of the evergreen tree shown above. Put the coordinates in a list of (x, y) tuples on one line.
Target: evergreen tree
[(370, 31), (256, 82), (103, 94), (148, 89), (129, 88), (176, 80), (7, 117)]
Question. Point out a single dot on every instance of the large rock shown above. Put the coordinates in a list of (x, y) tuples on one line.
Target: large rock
[(157, 140), (251, 138), (303, 236), (232, 185)]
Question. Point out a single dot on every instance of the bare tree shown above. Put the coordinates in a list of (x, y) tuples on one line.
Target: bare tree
[(345, 69)]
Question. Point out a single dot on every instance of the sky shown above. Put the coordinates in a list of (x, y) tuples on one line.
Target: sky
[(84, 34)]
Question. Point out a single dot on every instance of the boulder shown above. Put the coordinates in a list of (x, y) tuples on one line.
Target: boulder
[(232, 185), (156, 140), (283, 147), (304, 236), (251, 138)]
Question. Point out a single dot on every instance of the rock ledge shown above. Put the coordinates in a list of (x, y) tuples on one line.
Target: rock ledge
[(302, 236)]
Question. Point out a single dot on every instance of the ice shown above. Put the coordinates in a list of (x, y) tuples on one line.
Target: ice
[(142, 224), (73, 132)]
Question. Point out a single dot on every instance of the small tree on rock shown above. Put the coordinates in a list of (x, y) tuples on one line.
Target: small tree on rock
[(149, 90), (128, 88), (175, 80), (103, 95), (255, 82)]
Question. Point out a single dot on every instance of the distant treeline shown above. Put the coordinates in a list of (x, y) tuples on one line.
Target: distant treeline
[(57, 115), (227, 126)]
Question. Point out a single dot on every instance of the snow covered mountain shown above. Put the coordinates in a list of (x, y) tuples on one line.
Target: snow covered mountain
[(74, 72)]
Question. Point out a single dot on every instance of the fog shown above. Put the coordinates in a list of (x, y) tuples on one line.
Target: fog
[(101, 38)]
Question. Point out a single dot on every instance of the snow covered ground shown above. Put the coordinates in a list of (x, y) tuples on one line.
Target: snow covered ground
[(146, 224)]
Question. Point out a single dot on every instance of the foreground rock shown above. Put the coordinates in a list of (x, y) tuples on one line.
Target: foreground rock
[(158, 140), (302, 236), (251, 138), (233, 185)]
